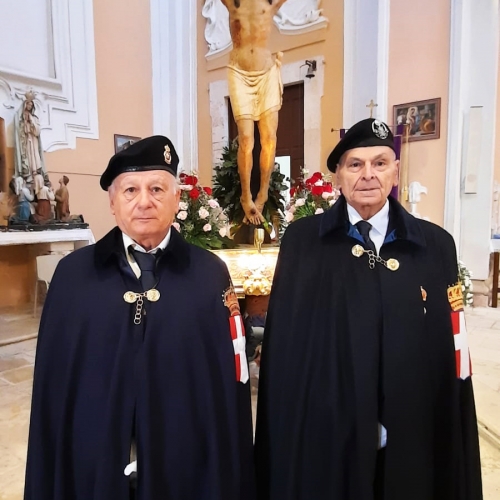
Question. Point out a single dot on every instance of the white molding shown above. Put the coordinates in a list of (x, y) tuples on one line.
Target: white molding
[(320, 24), (366, 55), (384, 19), (457, 90), (223, 45), (216, 30), (219, 109), (156, 51), (350, 8), (174, 60), (290, 74), (474, 57), (68, 102), (218, 53), (300, 16)]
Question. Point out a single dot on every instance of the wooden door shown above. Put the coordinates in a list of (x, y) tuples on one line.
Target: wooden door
[(291, 128), (290, 133)]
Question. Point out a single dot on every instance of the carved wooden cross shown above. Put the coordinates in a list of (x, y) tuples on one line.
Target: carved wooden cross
[(371, 105)]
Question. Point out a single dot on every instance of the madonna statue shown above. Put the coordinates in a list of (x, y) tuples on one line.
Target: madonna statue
[(28, 147)]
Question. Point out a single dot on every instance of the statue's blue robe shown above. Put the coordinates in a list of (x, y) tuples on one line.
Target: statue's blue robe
[(170, 382), (346, 347)]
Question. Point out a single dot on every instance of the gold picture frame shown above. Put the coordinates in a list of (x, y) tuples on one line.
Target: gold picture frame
[(422, 117), (124, 141)]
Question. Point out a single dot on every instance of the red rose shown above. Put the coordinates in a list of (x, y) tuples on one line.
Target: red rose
[(317, 190), (194, 194), (182, 177), (208, 190), (317, 176), (191, 180), (327, 188), (292, 191)]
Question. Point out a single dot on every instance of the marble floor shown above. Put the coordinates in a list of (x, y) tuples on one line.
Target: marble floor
[(16, 373)]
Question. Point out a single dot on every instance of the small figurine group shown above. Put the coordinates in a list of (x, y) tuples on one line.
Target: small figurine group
[(37, 202)]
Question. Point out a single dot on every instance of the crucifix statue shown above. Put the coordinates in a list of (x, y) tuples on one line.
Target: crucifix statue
[(371, 105), (256, 92)]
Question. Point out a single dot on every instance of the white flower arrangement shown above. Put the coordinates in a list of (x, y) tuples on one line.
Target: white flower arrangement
[(200, 219), (465, 278), (310, 196)]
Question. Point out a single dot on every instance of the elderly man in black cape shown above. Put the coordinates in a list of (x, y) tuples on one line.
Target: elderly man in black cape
[(365, 389), (141, 381)]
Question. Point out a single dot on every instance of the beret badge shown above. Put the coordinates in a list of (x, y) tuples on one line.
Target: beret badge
[(167, 155), (380, 129)]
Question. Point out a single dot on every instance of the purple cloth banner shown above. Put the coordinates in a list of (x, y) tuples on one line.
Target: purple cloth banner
[(398, 140)]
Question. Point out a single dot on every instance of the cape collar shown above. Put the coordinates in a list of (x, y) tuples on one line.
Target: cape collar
[(111, 246), (403, 224)]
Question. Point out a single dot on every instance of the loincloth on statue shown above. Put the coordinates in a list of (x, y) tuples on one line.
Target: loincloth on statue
[(255, 93)]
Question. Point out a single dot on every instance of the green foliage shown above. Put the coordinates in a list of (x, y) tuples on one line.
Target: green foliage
[(227, 187), (306, 210)]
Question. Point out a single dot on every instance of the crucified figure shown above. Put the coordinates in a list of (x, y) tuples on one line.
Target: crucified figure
[(256, 92)]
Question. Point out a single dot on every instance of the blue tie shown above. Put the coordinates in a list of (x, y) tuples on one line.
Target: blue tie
[(364, 230), (147, 263)]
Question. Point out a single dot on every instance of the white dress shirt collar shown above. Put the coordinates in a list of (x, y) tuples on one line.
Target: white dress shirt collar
[(379, 223), (128, 241)]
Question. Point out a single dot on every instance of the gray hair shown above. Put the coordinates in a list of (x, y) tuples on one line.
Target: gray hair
[(173, 182)]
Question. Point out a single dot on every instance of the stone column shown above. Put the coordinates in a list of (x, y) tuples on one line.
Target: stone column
[(173, 47), (366, 59), (471, 130)]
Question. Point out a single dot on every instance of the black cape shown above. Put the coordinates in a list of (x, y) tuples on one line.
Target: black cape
[(170, 381), (346, 347)]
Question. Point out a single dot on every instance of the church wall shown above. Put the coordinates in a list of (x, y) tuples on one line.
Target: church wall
[(418, 70), (124, 92), (324, 42), (496, 172)]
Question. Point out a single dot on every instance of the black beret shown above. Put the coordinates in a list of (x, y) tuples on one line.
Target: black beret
[(152, 153), (369, 132)]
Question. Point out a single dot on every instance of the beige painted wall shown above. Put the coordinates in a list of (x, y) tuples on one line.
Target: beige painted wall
[(496, 172), (418, 70), (327, 42), (124, 91)]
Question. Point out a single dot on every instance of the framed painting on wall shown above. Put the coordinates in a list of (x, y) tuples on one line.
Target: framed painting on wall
[(422, 117), (124, 141)]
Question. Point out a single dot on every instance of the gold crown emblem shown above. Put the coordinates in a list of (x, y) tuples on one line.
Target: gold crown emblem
[(167, 155), (455, 297), (231, 301)]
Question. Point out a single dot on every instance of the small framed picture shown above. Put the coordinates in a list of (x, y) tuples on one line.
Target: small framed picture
[(124, 141), (422, 117)]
